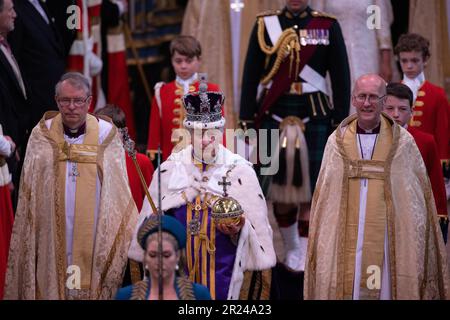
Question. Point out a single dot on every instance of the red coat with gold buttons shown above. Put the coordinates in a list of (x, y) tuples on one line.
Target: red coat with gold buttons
[(428, 150), (167, 116), (431, 115)]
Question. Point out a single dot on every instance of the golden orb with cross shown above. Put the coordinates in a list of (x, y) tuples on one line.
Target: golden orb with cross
[(226, 209)]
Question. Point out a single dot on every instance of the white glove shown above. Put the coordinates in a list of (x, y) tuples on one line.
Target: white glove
[(95, 64)]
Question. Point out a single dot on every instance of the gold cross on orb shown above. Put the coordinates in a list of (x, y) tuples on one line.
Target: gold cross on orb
[(224, 183)]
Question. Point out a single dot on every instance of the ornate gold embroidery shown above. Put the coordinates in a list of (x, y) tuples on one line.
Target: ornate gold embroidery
[(185, 289)]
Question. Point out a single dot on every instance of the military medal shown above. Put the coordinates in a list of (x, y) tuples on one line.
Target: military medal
[(303, 36), (315, 41), (321, 36), (327, 37)]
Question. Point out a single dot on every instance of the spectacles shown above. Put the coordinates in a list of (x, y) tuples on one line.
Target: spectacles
[(361, 98), (77, 102)]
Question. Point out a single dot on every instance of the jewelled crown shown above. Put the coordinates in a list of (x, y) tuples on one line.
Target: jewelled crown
[(204, 108)]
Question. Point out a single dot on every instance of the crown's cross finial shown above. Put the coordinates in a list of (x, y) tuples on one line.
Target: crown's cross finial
[(203, 82), (237, 5), (224, 184)]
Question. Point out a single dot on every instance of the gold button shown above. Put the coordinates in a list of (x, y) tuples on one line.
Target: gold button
[(419, 104), (205, 179), (421, 93), (176, 121), (176, 111)]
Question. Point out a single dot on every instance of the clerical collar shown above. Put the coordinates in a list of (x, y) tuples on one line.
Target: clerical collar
[(74, 133), (375, 130), (186, 83), (291, 15)]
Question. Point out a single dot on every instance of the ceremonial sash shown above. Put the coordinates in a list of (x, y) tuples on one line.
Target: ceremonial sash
[(376, 212), (85, 156)]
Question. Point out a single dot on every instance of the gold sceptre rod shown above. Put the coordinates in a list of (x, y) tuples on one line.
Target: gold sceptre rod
[(128, 145)]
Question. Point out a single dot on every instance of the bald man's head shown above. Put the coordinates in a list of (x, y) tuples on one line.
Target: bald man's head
[(367, 98), (371, 79)]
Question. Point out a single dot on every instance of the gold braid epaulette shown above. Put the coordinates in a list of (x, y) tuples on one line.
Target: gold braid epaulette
[(322, 14), (288, 43), (269, 13)]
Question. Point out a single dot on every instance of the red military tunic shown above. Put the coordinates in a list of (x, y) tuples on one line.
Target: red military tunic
[(6, 221), (137, 190), (428, 149), (431, 115), (168, 116)]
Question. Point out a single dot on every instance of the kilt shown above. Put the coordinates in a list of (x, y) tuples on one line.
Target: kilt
[(317, 130)]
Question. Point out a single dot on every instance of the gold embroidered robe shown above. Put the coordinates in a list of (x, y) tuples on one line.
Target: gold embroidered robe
[(37, 266), (404, 205)]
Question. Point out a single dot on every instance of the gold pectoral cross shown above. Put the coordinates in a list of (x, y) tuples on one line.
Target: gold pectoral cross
[(74, 172)]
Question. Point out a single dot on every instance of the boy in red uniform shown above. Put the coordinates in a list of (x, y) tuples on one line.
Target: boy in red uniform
[(167, 112), (431, 109), (398, 105)]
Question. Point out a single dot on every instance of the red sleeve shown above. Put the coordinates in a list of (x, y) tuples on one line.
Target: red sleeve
[(442, 126), (154, 131), (146, 167), (448, 135), (434, 169), (137, 189)]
